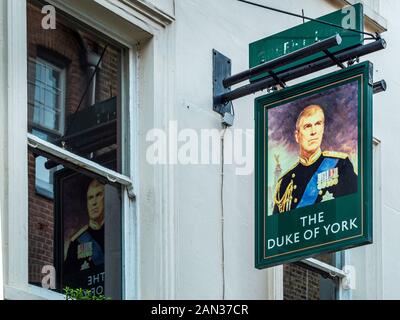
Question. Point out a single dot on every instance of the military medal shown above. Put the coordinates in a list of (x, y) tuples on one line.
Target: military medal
[(328, 178), (327, 196), (85, 266), (85, 250)]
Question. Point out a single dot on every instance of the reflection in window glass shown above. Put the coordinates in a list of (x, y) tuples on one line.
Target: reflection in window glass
[(44, 177), (74, 76), (302, 284), (78, 232), (330, 258), (46, 105), (74, 85)]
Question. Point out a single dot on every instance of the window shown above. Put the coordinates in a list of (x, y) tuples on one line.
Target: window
[(307, 280), (74, 87), (46, 88), (74, 155), (106, 23)]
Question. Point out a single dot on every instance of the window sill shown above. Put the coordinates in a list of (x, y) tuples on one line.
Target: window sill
[(31, 293)]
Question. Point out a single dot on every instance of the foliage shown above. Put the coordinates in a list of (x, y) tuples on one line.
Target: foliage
[(81, 294)]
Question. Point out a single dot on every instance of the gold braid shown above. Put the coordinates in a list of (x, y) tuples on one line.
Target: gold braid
[(285, 202)]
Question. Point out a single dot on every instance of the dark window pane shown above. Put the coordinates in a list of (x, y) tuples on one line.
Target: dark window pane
[(74, 77)]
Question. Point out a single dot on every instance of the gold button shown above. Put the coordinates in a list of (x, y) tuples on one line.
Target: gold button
[(293, 175), (295, 200), (320, 192), (295, 187)]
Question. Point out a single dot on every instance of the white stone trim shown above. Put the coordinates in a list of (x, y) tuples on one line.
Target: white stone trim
[(125, 27), (275, 283), (325, 267), (150, 11), (373, 18), (16, 215), (1, 257), (32, 293)]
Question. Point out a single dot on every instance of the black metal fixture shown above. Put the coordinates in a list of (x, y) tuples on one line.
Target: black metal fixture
[(283, 60), (223, 96), (379, 86)]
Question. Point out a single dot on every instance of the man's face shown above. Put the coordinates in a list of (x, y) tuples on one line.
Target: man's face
[(95, 201), (310, 132)]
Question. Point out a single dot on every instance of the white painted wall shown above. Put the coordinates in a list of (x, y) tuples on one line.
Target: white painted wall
[(386, 126), (166, 6), (228, 26), (367, 260), (386, 129), (2, 135)]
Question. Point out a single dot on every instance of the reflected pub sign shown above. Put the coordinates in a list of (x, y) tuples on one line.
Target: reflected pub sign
[(88, 240), (314, 167), (82, 212)]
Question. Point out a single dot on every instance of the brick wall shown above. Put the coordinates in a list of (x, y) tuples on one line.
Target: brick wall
[(300, 283), (66, 45), (41, 228)]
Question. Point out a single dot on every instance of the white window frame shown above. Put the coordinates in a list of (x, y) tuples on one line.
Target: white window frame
[(136, 25), (112, 176)]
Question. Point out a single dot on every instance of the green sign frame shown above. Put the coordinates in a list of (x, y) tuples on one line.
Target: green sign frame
[(305, 34), (334, 223)]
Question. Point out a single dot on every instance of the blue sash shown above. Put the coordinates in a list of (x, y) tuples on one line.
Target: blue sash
[(98, 255), (311, 193)]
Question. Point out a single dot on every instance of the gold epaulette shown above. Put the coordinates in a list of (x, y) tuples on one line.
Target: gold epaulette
[(79, 233), (335, 154)]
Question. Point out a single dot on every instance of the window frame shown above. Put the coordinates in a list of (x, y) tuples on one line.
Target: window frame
[(16, 283), (63, 78), (145, 31), (124, 181), (334, 272)]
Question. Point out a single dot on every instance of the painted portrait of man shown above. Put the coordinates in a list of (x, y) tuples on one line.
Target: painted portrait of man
[(313, 151), (318, 175), (86, 246), (81, 214)]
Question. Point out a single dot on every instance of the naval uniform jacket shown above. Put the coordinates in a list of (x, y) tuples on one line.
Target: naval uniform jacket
[(85, 258), (329, 176)]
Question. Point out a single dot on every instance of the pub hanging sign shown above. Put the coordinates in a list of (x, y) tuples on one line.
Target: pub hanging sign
[(314, 167)]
